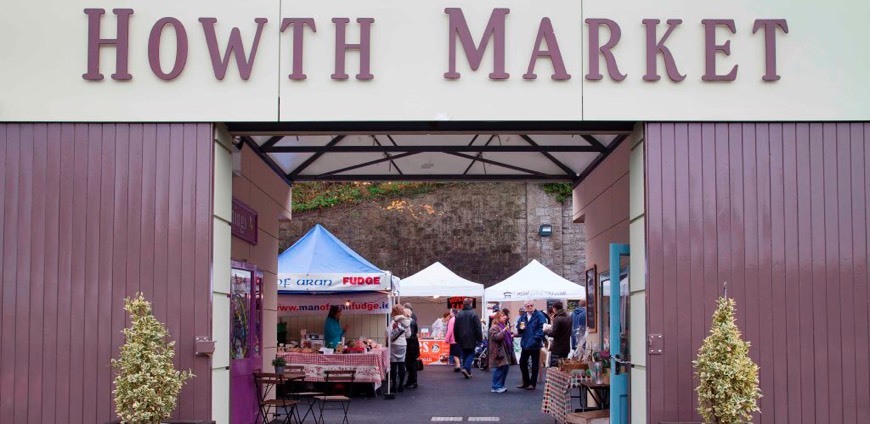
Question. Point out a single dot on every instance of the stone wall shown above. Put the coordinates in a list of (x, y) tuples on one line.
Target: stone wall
[(484, 232)]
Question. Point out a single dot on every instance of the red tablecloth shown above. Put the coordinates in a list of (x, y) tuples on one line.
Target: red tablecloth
[(371, 367)]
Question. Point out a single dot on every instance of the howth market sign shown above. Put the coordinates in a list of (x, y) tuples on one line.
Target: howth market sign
[(603, 35), (292, 61)]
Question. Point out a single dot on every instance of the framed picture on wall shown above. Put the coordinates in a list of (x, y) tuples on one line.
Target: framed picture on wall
[(592, 299)]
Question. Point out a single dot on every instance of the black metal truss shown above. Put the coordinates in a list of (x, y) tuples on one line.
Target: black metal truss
[(535, 148), (292, 175), (435, 177), (591, 167), (265, 158)]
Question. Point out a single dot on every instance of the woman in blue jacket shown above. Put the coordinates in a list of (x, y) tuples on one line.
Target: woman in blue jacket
[(332, 329), (531, 329)]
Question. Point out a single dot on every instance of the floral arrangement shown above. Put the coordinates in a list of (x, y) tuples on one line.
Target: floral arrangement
[(147, 383), (602, 356), (728, 390), (279, 361)]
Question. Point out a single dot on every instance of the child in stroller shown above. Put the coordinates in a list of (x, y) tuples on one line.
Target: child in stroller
[(481, 355)]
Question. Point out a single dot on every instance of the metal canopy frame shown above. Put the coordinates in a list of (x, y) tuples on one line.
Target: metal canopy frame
[(514, 161)]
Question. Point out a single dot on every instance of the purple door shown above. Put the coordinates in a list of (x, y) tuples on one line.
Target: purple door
[(245, 346)]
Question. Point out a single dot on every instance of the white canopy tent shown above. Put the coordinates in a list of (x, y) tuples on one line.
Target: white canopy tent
[(438, 280), (428, 290), (534, 281)]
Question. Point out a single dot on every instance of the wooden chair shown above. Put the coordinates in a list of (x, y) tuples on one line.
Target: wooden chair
[(265, 384), (345, 378), (297, 392)]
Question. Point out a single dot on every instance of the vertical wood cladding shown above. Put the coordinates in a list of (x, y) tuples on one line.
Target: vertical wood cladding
[(779, 211), (89, 214)]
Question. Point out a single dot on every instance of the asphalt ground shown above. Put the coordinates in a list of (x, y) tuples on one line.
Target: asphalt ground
[(443, 393)]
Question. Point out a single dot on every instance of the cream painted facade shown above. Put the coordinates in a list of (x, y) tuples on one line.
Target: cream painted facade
[(409, 55)]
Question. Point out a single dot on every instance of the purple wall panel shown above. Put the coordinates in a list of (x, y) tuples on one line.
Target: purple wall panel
[(5, 404), (37, 275), (858, 151), (780, 212), (22, 302), (87, 214), (50, 263)]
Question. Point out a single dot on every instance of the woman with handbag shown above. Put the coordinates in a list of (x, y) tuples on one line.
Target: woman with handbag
[(501, 354), (412, 356), (400, 329)]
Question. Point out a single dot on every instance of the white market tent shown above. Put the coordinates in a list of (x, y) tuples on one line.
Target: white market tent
[(438, 280), (534, 281)]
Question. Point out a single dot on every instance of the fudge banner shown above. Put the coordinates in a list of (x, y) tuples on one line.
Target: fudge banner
[(358, 303)]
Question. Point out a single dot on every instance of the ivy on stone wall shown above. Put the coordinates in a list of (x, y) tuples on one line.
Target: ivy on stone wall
[(560, 191), (312, 196)]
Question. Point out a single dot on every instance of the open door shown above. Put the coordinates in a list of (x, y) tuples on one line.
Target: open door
[(618, 335), (245, 341)]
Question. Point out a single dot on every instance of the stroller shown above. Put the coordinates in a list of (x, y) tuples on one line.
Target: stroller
[(481, 356)]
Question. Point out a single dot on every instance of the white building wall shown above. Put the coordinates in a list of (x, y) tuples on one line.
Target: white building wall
[(223, 186), (637, 234)]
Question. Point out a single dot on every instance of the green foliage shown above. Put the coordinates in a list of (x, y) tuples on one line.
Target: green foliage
[(728, 390), (319, 195), (147, 383), (279, 362), (560, 191)]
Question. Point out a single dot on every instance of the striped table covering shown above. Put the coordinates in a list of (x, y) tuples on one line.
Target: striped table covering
[(371, 367), (557, 394)]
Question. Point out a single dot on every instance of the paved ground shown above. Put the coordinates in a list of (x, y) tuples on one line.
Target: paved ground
[(443, 393)]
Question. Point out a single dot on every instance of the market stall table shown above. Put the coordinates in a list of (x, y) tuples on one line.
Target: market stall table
[(370, 367)]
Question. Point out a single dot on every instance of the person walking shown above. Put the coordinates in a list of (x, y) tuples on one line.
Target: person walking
[(468, 334), (561, 334), (399, 331), (530, 325), (450, 339), (501, 351), (413, 353)]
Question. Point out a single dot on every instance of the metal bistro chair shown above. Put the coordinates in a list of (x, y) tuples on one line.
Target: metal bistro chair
[(265, 383), (297, 392), (346, 379)]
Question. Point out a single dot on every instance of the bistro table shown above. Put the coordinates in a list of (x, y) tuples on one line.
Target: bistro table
[(371, 367), (600, 392)]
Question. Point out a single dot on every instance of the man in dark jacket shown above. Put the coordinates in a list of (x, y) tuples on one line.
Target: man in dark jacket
[(413, 352), (561, 334), (468, 334), (531, 328)]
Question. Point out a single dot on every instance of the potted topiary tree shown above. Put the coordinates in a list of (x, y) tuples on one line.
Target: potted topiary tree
[(147, 383), (279, 363), (728, 390)]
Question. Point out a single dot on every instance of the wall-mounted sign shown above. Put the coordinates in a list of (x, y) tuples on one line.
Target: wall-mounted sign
[(395, 60), (244, 225)]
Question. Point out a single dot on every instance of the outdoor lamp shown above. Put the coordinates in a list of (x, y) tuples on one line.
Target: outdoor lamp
[(545, 230)]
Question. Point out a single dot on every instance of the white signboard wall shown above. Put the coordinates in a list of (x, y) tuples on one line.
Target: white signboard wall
[(46, 77)]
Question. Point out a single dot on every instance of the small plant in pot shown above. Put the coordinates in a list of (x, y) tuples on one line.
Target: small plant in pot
[(279, 363)]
